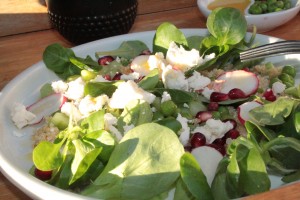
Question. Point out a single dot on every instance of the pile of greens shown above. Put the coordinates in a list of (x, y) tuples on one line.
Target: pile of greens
[(149, 160)]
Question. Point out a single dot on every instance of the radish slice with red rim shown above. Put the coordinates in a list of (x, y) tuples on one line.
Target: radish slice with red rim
[(46, 106)]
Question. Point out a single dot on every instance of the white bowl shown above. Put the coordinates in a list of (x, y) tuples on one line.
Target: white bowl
[(15, 152), (263, 22)]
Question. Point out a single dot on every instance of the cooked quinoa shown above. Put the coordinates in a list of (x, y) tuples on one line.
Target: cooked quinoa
[(46, 133)]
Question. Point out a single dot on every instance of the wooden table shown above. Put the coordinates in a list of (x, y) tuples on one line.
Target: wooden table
[(25, 32)]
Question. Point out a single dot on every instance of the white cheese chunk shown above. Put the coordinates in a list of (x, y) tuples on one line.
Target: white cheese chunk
[(185, 130), (109, 122), (89, 104), (278, 87), (174, 79), (197, 81), (127, 92), (59, 86), (181, 58), (70, 109), (214, 129), (165, 97), (20, 116), (75, 90)]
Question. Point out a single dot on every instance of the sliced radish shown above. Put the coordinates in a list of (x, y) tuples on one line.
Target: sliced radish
[(243, 80), (244, 109), (46, 106), (208, 158)]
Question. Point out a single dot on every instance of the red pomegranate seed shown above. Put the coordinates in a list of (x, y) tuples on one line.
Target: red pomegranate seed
[(220, 141), (232, 121), (117, 77), (233, 134), (203, 116), (213, 106), (219, 148), (269, 95), (107, 77), (218, 96), (42, 175), (105, 60), (236, 93), (198, 140)]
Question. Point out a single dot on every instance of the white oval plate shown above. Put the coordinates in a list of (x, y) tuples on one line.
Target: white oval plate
[(263, 22), (15, 152)]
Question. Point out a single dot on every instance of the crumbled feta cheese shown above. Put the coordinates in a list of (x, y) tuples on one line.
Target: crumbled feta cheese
[(214, 129), (109, 122), (59, 86), (181, 58), (89, 104), (75, 90), (165, 97), (127, 92), (70, 109), (20, 116), (143, 64), (197, 81), (174, 79), (278, 87), (99, 78), (207, 92), (131, 76), (185, 130)]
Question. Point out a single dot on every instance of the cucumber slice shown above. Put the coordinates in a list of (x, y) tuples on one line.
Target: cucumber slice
[(60, 120)]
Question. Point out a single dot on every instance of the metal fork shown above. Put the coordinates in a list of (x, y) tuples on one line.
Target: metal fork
[(271, 49)]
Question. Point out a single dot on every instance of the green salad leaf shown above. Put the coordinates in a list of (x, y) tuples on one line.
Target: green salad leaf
[(165, 34), (128, 49), (194, 178), (148, 155)]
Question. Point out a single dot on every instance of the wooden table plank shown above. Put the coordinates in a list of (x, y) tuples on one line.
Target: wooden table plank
[(22, 16), (31, 52)]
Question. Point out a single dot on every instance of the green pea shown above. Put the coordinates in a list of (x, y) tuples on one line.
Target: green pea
[(278, 9), (216, 115), (264, 7), (168, 108), (279, 4), (157, 103), (171, 123), (157, 116), (288, 85), (273, 80), (272, 7), (290, 70), (87, 75), (223, 110), (255, 9), (285, 78)]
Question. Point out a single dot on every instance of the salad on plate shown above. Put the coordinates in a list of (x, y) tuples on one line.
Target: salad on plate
[(182, 120)]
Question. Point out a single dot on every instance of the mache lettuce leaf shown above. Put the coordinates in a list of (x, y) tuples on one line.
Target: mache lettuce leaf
[(143, 165)]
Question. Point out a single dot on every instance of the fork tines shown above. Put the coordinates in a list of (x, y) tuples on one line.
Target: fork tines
[(271, 49)]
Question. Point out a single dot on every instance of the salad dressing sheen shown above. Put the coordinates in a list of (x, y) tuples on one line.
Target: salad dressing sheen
[(238, 4)]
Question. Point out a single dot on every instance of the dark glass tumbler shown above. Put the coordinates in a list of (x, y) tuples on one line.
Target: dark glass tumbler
[(81, 21)]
